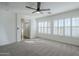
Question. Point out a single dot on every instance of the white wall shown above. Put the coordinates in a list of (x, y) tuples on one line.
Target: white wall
[(7, 28), (33, 28), (19, 17), (69, 14)]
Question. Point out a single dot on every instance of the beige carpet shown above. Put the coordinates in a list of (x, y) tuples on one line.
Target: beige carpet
[(39, 47)]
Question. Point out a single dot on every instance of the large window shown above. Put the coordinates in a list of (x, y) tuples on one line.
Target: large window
[(55, 27), (60, 25), (44, 27), (40, 25), (75, 27), (49, 27), (67, 27)]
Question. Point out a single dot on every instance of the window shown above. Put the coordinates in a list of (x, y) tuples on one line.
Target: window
[(60, 29), (39, 27), (75, 27), (49, 28), (44, 27), (55, 26), (67, 27)]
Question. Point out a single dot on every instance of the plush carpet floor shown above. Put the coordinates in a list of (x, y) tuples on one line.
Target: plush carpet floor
[(39, 47)]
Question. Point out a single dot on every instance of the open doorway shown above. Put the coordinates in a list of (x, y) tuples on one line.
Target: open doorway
[(25, 29)]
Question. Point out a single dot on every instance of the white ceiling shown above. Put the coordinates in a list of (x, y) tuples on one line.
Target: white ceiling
[(56, 7)]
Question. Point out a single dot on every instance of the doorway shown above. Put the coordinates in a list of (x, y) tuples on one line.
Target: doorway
[(25, 29)]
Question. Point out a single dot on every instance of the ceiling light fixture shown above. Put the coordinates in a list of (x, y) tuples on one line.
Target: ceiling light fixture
[(38, 12)]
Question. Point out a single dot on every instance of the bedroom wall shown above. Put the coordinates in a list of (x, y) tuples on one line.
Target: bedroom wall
[(7, 28), (33, 29)]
